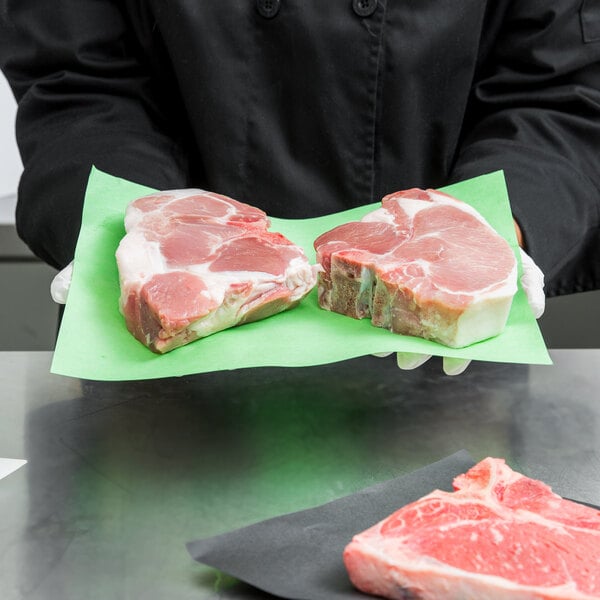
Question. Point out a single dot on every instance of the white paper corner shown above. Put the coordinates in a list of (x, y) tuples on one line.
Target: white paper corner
[(10, 465)]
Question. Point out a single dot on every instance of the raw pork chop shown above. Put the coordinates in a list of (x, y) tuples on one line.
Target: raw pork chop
[(194, 262), (424, 264), (500, 536)]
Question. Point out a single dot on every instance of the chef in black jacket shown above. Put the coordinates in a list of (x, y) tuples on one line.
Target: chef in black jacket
[(306, 107)]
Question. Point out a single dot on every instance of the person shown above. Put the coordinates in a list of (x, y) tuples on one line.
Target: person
[(303, 108)]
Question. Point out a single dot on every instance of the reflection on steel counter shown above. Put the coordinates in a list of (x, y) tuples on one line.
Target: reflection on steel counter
[(122, 475)]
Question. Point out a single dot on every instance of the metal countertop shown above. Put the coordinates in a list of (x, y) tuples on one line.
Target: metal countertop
[(121, 475)]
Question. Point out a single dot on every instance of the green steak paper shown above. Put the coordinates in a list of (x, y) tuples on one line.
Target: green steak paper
[(93, 342)]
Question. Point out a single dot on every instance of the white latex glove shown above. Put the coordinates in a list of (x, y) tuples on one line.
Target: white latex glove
[(532, 282), (59, 288)]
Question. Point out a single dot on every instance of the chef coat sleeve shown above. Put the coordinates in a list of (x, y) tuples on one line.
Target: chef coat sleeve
[(535, 113), (84, 98)]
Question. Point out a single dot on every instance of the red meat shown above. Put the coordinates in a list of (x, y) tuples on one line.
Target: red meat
[(194, 262), (500, 535), (424, 264)]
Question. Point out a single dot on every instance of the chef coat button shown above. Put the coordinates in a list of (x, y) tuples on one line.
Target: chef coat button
[(268, 8), (364, 8)]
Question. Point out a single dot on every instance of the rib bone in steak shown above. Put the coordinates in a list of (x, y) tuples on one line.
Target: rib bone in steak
[(424, 264), (499, 536), (194, 262)]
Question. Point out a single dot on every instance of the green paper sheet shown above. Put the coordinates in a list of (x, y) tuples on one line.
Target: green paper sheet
[(93, 342)]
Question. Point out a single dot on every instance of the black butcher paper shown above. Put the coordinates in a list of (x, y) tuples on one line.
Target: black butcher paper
[(299, 555)]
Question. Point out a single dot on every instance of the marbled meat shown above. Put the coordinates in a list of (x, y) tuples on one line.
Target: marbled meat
[(424, 264), (499, 536), (194, 262)]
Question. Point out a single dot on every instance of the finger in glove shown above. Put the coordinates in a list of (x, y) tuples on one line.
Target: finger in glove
[(411, 360), (455, 366)]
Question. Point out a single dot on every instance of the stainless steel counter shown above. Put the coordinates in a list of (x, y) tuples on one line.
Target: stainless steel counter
[(121, 475)]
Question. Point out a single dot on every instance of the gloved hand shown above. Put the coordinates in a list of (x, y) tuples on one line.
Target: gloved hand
[(59, 288), (532, 282)]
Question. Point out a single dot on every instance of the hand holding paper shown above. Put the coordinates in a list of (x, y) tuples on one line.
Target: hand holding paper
[(532, 281), (304, 336)]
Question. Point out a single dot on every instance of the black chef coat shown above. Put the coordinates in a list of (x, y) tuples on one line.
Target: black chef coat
[(305, 107)]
